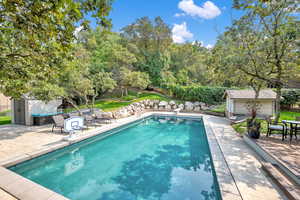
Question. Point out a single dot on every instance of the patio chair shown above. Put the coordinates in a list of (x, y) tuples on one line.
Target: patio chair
[(297, 127), (58, 122), (100, 118), (89, 119), (74, 114), (278, 127)]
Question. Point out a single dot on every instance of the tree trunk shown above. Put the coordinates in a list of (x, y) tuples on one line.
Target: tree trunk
[(277, 104), (74, 105), (93, 103), (256, 87)]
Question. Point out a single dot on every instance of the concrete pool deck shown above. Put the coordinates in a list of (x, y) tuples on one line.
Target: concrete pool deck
[(237, 167)]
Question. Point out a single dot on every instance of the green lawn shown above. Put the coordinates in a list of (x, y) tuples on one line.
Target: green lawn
[(5, 120), (284, 115), (219, 108), (116, 103)]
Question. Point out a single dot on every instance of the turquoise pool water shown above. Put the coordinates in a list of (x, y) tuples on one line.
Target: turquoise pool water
[(164, 158)]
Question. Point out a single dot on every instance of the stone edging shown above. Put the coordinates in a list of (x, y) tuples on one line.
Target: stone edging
[(223, 173)]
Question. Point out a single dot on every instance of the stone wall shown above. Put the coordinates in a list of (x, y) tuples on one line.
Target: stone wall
[(156, 105)]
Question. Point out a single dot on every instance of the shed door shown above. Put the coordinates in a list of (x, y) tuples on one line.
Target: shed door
[(19, 111)]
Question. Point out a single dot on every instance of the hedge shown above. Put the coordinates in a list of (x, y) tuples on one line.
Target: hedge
[(206, 94)]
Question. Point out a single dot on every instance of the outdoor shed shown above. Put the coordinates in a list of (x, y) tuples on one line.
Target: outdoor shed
[(237, 102), (25, 109)]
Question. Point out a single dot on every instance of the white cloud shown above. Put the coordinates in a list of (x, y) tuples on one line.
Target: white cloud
[(209, 46), (179, 15), (180, 33), (77, 30), (207, 11)]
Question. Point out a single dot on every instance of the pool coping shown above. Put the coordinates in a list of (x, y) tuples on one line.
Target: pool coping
[(24, 189)]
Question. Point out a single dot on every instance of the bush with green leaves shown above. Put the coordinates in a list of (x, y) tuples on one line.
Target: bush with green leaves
[(290, 97), (206, 94)]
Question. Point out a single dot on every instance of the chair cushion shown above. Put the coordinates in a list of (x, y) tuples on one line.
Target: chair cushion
[(276, 127)]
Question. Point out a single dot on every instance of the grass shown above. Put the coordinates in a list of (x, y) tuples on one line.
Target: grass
[(110, 105), (116, 103), (241, 128), (219, 108), (5, 120)]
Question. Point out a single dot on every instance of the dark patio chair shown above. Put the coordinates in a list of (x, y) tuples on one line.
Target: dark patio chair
[(278, 127), (74, 114), (58, 122), (298, 126), (89, 120), (100, 117)]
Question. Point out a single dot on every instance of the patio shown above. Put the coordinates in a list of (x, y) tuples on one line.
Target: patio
[(288, 154), (16, 140)]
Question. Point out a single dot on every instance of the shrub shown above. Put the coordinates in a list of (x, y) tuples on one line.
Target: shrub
[(209, 95), (290, 97)]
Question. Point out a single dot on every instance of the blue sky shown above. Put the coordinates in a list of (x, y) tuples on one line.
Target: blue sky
[(189, 19)]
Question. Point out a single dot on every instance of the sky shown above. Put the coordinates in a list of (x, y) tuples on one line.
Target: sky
[(189, 20)]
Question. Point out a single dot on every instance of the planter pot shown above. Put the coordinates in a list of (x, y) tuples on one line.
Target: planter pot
[(253, 128)]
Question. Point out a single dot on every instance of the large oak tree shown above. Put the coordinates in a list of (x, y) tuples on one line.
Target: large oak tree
[(36, 36)]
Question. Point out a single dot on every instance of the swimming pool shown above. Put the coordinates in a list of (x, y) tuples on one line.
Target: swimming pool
[(154, 158)]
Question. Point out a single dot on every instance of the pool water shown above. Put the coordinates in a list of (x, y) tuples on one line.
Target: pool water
[(164, 158)]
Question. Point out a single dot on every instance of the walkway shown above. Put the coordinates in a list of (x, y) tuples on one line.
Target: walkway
[(245, 167)]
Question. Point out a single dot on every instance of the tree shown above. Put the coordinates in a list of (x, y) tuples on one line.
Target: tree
[(133, 79), (147, 35), (183, 77), (150, 42), (223, 62), (102, 82), (36, 36), (266, 42), (106, 52), (168, 79), (190, 58), (71, 84)]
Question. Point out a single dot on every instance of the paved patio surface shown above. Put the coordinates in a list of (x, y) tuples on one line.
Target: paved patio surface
[(288, 154), (6, 196), (16, 140)]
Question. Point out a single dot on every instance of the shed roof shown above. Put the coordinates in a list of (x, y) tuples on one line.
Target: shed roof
[(250, 94)]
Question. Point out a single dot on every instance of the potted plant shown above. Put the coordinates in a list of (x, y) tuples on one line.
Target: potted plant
[(253, 126)]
